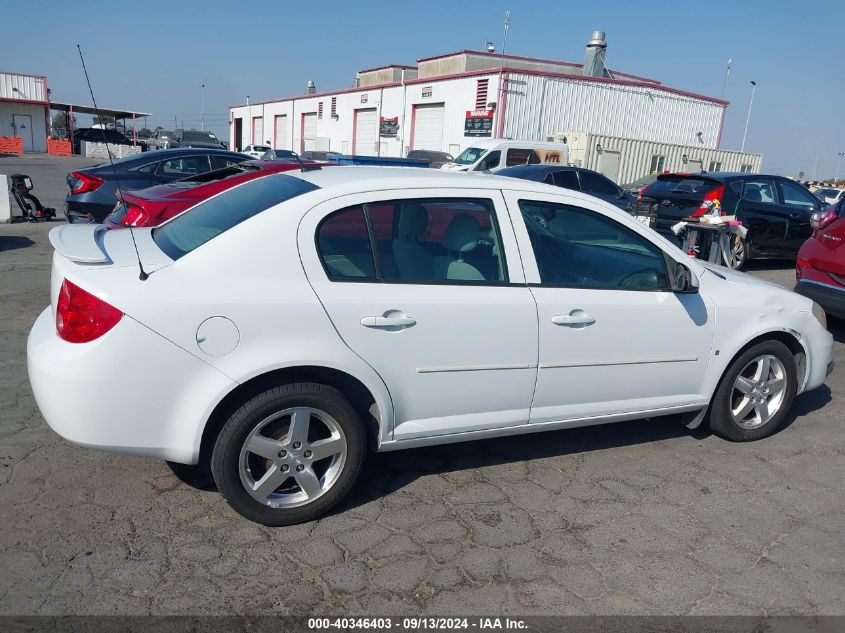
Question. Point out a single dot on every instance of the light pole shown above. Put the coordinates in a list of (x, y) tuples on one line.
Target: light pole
[(748, 119), (838, 160), (202, 107)]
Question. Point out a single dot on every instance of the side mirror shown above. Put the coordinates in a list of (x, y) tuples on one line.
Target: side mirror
[(681, 278)]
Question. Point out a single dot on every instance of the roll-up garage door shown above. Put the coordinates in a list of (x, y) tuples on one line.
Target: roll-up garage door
[(280, 139), (366, 129), (257, 130), (428, 127), (309, 131)]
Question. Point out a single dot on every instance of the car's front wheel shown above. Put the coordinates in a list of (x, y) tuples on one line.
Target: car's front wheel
[(755, 393), (289, 454)]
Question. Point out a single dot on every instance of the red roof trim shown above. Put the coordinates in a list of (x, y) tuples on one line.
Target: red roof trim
[(24, 101), (495, 71)]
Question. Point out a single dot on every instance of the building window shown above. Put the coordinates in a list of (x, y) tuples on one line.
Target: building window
[(746, 168), (481, 94), (334, 106), (320, 110), (658, 163), (715, 165)]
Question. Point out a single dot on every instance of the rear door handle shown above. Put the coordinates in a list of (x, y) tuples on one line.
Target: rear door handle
[(385, 322), (572, 319)]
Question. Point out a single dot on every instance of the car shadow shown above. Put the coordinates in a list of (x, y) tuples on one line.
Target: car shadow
[(769, 264), (836, 327), (14, 242), (386, 473)]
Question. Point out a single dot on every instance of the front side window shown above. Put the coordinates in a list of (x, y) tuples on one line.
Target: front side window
[(578, 248), (796, 196), (491, 161), (425, 241)]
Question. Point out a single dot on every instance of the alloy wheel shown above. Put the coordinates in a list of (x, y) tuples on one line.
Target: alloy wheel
[(292, 457), (758, 392)]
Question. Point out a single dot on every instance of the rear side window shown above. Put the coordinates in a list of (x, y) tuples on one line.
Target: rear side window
[(207, 220), (343, 241), (183, 166), (759, 190), (595, 183), (566, 179), (519, 156)]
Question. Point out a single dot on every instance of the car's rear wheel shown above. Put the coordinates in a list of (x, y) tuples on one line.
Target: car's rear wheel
[(755, 393), (289, 454), (739, 252)]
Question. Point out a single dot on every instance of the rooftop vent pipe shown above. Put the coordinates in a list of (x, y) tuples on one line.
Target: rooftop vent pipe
[(594, 57), (310, 88)]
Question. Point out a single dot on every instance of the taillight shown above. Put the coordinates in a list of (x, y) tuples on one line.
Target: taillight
[(81, 317), (717, 194), (641, 193), (134, 216), (823, 218), (82, 182), (800, 264)]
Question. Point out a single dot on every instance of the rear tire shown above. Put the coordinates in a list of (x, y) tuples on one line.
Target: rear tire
[(740, 252), (289, 454), (755, 393)]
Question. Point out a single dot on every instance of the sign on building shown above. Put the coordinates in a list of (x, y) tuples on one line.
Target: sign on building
[(478, 123), (389, 127)]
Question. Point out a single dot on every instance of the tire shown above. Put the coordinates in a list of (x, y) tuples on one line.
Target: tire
[(768, 399), (740, 252), (274, 477)]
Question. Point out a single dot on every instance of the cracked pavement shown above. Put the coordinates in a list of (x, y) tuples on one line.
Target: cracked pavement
[(640, 517)]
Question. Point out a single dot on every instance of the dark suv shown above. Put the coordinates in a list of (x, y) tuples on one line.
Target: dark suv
[(195, 138), (576, 178), (775, 210)]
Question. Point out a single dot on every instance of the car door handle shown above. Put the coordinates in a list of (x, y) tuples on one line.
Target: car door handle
[(385, 322), (573, 319)]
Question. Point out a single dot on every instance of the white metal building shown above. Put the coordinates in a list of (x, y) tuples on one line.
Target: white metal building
[(24, 110), (444, 102)]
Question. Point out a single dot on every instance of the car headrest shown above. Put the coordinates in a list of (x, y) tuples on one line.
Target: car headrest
[(462, 233), (413, 220), (753, 194), (557, 227)]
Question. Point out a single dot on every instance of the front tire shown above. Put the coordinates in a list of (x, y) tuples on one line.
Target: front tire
[(289, 454), (755, 394)]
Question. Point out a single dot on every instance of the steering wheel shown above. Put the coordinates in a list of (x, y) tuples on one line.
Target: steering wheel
[(646, 278)]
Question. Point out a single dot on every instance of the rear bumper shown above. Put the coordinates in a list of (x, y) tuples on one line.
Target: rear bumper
[(831, 298), (85, 211), (130, 391)]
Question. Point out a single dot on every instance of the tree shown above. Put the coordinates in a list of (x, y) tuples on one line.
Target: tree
[(60, 121), (145, 131), (103, 120)]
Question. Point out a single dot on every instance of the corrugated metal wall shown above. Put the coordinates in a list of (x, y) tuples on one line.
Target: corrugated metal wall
[(538, 107), (29, 88), (636, 155)]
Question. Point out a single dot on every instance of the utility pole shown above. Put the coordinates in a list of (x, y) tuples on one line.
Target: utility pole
[(202, 107), (839, 156), (502, 70), (727, 74), (748, 118)]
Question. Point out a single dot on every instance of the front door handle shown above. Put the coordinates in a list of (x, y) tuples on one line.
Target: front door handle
[(387, 322), (573, 319)]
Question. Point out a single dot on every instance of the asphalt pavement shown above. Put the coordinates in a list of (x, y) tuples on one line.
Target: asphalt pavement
[(641, 517)]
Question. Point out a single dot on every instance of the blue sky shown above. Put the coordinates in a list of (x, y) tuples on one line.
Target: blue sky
[(154, 56)]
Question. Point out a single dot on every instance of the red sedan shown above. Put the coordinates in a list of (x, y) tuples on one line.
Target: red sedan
[(820, 267), (154, 205)]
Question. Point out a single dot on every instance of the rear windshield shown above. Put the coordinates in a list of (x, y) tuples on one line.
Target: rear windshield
[(205, 137), (832, 193), (209, 219), (681, 186)]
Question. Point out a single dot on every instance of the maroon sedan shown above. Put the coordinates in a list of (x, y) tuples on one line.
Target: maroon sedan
[(154, 205)]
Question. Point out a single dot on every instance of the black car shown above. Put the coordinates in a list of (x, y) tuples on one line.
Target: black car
[(195, 138), (435, 159), (775, 210), (92, 190), (97, 135), (576, 178)]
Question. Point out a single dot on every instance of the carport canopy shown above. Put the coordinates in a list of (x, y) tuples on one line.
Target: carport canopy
[(73, 108)]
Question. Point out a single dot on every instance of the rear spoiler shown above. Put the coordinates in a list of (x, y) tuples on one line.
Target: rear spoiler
[(81, 243)]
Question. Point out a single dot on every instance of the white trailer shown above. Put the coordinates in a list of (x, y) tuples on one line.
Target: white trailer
[(623, 160)]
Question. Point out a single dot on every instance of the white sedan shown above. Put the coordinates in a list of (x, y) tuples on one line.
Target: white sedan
[(256, 151), (289, 325)]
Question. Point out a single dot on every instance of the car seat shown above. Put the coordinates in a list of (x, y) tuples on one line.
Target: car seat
[(460, 238), (752, 194), (413, 260)]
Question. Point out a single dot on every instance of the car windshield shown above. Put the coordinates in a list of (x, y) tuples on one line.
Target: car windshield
[(261, 148), (207, 220), (205, 137), (682, 186), (832, 193), (470, 155)]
